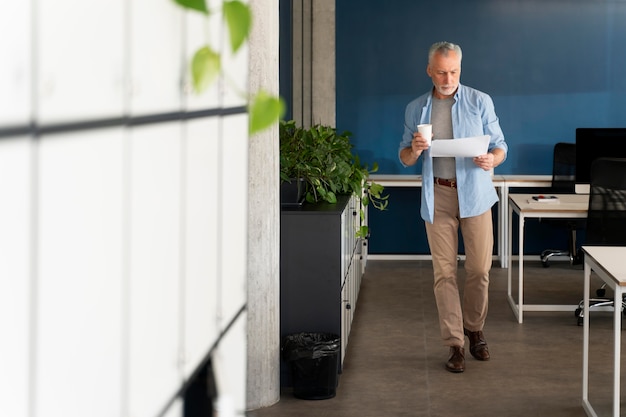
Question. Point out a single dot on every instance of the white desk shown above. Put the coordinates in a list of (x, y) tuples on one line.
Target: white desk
[(502, 183), (416, 181), (608, 263), (570, 206), (514, 181)]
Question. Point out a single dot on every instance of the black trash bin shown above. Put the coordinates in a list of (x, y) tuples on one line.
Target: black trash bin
[(314, 362)]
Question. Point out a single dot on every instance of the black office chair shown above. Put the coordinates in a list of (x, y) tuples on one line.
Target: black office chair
[(606, 216), (563, 181)]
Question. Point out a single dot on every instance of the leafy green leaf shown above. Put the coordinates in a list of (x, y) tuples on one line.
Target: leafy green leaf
[(264, 111), (363, 232), (205, 67), (239, 20), (376, 189), (199, 5), (323, 159)]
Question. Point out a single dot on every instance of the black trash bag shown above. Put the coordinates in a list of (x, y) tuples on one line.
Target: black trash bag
[(310, 346), (314, 362)]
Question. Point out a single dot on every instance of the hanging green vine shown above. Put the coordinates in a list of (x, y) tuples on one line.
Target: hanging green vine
[(206, 64)]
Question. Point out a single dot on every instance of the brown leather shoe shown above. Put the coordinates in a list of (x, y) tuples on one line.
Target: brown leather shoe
[(456, 363), (478, 345)]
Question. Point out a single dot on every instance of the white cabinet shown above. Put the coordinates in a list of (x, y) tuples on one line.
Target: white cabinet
[(154, 266), (201, 221), (352, 269), (15, 71), (123, 237), (156, 58), (230, 365), (79, 313), (232, 198), (80, 57), (200, 30), (15, 274)]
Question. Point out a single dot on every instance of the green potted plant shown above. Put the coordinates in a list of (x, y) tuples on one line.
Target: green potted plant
[(319, 162)]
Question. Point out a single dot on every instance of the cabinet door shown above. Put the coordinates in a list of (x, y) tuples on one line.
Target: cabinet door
[(15, 71), (345, 318), (15, 274), (154, 267), (229, 364), (233, 230), (357, 272), (200, 31), (201, 224), (81, 49), (345, 243), (364, 243), (177, 409), (236, 66), (157, 56), (349, 219), (79, 277)]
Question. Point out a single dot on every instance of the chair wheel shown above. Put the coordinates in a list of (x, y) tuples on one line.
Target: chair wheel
[(545, 264), (600, 292), (578, 313)]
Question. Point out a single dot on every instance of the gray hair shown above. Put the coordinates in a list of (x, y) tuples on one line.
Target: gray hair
[(443, 48)]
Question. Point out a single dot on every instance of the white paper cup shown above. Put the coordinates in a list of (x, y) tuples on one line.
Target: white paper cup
[(427, 132)]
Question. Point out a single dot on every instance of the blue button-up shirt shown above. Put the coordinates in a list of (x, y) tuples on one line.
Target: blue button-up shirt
[(473, 114)]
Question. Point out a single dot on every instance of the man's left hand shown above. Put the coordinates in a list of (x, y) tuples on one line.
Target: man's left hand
[(485, 161)]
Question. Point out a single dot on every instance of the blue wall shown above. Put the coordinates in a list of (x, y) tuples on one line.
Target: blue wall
[(550, 66)]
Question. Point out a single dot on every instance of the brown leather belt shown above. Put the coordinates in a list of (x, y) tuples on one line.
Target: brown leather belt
[(445, 182)]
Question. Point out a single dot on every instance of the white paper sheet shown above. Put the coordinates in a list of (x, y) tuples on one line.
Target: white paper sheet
[(465, 147)]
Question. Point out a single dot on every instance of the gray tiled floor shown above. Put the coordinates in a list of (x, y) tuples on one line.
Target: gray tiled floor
[(394, 364)]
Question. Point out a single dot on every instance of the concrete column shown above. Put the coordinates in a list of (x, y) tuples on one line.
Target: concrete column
[(314, 102), (323, 88), (313, 62), (263, 359)]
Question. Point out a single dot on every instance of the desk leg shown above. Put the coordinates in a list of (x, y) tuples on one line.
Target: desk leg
[(520, 270), (503, 226), (510, 262), (617, 331), (514, 306), (586, 404)]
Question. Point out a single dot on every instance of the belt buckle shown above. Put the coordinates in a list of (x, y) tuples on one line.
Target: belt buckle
[(445, 182)]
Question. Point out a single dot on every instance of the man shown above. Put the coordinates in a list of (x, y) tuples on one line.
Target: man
[(456, 192)]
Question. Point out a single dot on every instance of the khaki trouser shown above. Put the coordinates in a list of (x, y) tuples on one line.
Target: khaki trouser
[(443, 239)]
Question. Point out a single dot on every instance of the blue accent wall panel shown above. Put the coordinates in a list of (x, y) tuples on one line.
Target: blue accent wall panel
[(550, 66), (407, 233)]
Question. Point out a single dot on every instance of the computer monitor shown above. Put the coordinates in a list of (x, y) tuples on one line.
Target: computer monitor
[(592, 143)]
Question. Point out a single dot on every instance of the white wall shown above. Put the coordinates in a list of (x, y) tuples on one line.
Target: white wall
[(122, 245)]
